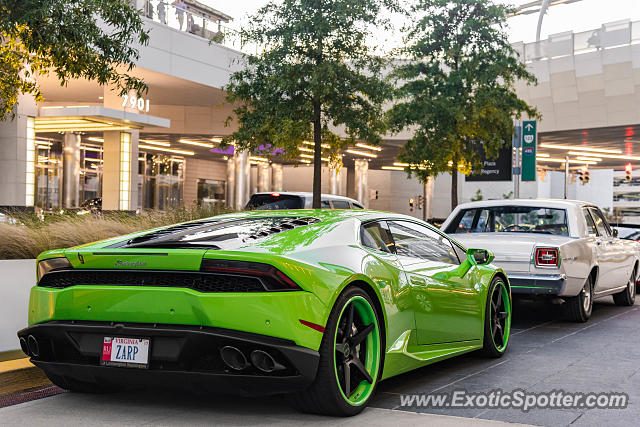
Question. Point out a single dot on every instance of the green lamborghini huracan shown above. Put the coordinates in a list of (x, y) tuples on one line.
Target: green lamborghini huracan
[(318, 305)]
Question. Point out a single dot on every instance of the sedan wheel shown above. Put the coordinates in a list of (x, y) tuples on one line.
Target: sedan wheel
[(579, 307), (351, 356), (628, 296)]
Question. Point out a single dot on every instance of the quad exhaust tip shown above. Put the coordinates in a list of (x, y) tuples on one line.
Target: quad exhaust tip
[(265, 362), (24, 346), (233, 358), (32, 344)]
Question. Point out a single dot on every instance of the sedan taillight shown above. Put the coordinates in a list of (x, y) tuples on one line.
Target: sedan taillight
[(547, 257)]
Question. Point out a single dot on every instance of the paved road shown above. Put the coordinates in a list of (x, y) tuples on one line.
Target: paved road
[(546, 353)]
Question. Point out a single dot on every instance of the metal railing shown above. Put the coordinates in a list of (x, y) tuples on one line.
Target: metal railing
[(188, 21), (610, 35)]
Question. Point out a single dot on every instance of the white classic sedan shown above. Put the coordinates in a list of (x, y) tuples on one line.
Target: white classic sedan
[(561, 248)]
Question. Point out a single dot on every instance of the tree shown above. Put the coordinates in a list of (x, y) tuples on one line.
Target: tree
[(71, 38), (456, 87), (316, 76)]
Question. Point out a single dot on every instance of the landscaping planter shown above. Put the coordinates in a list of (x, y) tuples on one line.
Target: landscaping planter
[(17, 276)]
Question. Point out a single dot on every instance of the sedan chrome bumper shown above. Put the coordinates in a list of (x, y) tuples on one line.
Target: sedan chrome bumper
[(537, 284)]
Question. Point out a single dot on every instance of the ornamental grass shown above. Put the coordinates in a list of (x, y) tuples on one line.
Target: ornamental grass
[(32, 234)]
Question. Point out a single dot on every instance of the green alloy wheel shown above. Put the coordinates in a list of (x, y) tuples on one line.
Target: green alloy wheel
[(350, 359), (497, 319)]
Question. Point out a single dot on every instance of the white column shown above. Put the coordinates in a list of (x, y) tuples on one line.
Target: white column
[(120, 171), (428, 198), (231, 182), (264, 177), (335, 180), (361, 182), (243, 176), (276, 177), (17, 155), (71, 171)]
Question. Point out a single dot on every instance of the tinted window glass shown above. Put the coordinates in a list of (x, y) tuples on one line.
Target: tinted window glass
[(340, 204), (601, 223), (417, 241), (275, 201), (591, 227), (376, 237), (356, 206), (513, 219), (324, 204)]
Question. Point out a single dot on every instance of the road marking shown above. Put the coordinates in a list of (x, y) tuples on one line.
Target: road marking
[(592, 324), (14, 365)]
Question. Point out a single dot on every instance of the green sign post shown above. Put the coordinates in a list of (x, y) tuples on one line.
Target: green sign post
[(529, 141)]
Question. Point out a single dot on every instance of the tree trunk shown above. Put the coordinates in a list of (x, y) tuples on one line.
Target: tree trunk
[(317, 155), (454, 184)]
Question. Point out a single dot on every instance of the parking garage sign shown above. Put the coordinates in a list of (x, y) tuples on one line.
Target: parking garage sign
[(529, 137)]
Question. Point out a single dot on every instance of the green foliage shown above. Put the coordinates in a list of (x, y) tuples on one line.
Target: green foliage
[(88, 39), (478, 196), (317, 72), (456, 87), (507, 195)]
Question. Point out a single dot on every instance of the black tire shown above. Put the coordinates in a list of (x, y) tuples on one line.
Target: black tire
[(492, 347), (325, 395), (579, 308), (80, 386), (627, 297)]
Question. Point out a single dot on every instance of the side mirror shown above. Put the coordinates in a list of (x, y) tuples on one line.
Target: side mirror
[(479, 256), (615, 232)]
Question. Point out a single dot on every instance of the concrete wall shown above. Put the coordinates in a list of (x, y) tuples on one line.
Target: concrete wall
[(187, 56), (394, 192), (301, 179), (18, 276), (588, 89), (196, 169)]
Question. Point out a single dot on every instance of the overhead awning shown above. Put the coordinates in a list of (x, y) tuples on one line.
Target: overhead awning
[(93, 118)]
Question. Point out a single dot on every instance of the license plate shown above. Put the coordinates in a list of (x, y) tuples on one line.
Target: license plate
[(125, 352)]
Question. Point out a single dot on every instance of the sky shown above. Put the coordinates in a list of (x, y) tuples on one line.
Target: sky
[(580, 16)]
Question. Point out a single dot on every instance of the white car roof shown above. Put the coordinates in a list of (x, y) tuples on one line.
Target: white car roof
[(547, 203)]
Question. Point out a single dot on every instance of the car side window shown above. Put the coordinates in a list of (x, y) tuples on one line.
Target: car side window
[(324, 204), (591, 226), (417, 241), (340, 204), (375, 236), (601, 223)]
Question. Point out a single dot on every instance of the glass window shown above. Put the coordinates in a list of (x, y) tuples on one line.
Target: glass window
[(324, 204), (512, 219), (591, 227), (340, 204), (374, 236), (275, 201), (601, 223), (417, 241)]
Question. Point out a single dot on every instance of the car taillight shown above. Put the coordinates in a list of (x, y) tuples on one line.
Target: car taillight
[(273, 279), (547, 257)]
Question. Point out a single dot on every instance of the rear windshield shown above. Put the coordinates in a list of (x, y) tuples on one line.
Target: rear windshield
[(221, 234), (275, 201), (512, 219)]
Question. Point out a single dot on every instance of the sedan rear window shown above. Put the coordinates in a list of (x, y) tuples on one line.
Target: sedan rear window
[(511, 219), (274, 201)]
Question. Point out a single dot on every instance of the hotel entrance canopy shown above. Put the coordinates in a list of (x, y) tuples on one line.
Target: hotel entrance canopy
[(93, 118)]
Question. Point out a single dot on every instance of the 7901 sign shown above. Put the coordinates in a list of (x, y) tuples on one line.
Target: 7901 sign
[(135, 102)]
